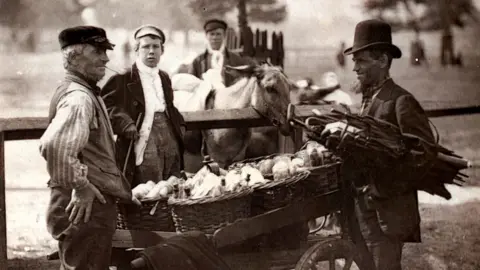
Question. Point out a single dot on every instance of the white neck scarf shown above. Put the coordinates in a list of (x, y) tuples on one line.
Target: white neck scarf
[(217, 56), (145, 69)]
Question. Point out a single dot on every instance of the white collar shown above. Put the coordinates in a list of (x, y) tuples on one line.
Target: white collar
[(145, 69), (220, 50)]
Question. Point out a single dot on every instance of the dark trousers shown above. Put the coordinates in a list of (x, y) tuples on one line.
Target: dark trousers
[(386, 249), (161, 158), (85, 246)]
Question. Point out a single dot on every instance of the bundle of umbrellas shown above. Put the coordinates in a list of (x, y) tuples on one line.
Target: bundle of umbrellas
[(380, 145)]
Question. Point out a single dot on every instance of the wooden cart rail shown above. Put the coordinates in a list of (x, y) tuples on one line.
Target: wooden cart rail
[(33, 128), (243, 229)]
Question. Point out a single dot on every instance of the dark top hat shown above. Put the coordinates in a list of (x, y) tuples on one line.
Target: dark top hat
[(373, 34), (85, 35), (213, 24)]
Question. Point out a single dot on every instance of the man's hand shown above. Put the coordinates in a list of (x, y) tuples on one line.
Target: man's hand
[(136, 201), (338, 126), (183, 129), (131, 132), (80, 205)]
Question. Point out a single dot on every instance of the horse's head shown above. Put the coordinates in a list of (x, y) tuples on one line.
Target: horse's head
[(272, 92)]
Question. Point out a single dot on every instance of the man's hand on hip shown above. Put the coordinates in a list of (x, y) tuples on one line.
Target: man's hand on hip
[(131, 132), (80, 205)]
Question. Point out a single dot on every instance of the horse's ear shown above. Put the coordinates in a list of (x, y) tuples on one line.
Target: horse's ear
[(245, 70)]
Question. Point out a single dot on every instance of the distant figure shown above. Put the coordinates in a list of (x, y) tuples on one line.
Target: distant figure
[(417, 51), (340, 56), (216, 56), (447, 55), (458, 60)]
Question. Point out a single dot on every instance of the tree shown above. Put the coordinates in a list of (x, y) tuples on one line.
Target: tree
[(438, 15), (206, 9), (267, 11), (24, 18), (16, 14), (270, 11)]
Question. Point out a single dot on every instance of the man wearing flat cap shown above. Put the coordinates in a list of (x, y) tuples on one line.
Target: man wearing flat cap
[(78, 146), (387, 209), (216, 56), (158, 140)]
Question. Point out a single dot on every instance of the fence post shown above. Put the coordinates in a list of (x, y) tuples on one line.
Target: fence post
[(281, 54), (3, 212), (246, 39)]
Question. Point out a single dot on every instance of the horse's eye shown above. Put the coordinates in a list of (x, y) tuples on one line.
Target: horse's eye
[(270, 89)]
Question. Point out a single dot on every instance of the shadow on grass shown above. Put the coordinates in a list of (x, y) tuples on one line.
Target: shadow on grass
[(451, 239)]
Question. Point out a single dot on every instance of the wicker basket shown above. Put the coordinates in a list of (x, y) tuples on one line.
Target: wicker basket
[(145, 217), (322, 179), (209, 214), (278, 193)]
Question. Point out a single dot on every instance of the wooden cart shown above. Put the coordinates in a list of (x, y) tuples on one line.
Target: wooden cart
[(348, 245)]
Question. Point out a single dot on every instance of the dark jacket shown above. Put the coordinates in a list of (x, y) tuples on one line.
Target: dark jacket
[(399, 215), (202, 63), (124, 98)]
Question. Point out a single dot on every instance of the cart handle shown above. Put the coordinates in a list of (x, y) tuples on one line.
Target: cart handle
[(138, 263)]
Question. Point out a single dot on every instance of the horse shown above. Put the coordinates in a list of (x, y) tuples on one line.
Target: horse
[(264, 140), (263, 87)]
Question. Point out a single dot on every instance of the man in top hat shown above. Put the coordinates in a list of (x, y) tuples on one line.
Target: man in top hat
[(158, 140), (78, 146), (216, 56), (391, 216)]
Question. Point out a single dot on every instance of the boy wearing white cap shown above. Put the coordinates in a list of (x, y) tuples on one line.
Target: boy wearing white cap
[(158, 142)]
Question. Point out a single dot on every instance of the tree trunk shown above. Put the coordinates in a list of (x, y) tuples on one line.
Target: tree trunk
[(242, 15), (186, 41)]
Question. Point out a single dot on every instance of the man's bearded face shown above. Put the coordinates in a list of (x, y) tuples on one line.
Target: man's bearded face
[(367, 68)]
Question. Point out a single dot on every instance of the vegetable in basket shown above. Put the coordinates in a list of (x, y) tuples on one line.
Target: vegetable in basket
[(283, 168), (251, 176), (143, 189), (265, 166)]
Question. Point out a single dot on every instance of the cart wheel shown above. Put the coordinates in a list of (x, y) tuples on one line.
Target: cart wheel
[(317, 224), (332, 254)]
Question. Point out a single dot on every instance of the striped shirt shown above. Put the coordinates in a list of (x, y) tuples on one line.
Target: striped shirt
[(65, 137)]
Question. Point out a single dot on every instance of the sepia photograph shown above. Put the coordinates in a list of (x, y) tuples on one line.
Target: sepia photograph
[(239, 134)]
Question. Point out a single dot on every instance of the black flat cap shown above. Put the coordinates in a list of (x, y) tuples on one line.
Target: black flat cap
[(213, 24), (92, 35)]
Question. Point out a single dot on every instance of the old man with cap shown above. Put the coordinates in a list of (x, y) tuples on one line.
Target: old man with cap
[(216, 56), (147, 91), (387, 207), (78, 146)]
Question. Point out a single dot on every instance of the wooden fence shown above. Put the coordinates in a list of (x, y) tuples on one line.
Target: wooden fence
[(33, 128), (258, 45)]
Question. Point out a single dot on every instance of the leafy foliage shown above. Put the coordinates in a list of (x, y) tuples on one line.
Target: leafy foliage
[(438, 14), (272, 11)]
